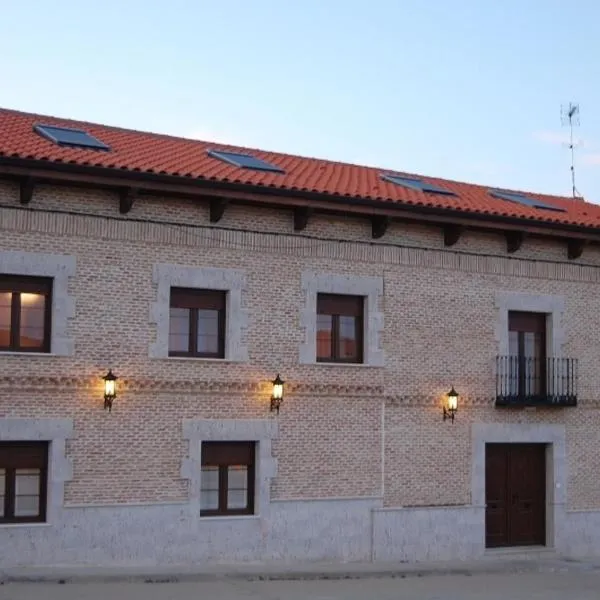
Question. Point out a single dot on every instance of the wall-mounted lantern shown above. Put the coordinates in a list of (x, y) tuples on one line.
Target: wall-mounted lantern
[(110, 389), (451, 404), (277, 393)]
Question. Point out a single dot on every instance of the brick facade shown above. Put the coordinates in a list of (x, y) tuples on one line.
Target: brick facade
[(344, 432)]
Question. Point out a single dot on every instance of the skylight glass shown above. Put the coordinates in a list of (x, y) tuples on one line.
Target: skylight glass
[(524, 200), (416, 184), (245, 161), (67, 136)]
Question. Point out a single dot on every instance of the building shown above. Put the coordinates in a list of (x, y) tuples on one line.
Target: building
[(196, 273)]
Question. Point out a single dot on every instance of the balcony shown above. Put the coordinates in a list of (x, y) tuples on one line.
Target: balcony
[(523, 381)]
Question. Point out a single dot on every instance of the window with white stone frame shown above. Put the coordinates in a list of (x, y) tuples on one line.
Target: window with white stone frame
[(35, 305), (209, 325), (364, 297), (230, 466)]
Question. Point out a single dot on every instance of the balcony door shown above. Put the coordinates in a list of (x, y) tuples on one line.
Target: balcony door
[(527, 349)]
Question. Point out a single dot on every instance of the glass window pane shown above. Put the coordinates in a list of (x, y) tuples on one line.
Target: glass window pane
[(324, 332), (27, 506), (210, 478), (5, 307), (27, 482), (347, 343), (237, 499), (209, 500), (179, 330), (237, 477), (513, 343), (208, 331), (32, 320), (2, 490)]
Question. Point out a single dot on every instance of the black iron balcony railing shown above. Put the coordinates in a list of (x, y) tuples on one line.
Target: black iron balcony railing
[(523, 381)]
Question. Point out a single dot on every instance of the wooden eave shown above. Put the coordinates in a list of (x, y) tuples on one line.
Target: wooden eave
[(131, 185)]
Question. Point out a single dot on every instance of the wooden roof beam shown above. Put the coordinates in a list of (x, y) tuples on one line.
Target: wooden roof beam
[(301, 216), (379, 225), (217, 209), (452, 234), (514, 240), (26, 187), (127, 197), (575, 248)]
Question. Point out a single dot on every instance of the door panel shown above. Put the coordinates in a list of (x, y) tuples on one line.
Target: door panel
[(515, 494), (527, 476), (496, 484)]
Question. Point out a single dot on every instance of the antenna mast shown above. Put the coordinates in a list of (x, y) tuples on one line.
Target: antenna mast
[(570, 117)]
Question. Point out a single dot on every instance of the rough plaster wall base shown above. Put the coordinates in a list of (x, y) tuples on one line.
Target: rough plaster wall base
[(59, 268), (175, 534), (229, 280)]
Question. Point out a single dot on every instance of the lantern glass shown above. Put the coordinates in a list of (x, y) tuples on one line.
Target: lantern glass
[(109, 387), (452, 400), (278, 388)]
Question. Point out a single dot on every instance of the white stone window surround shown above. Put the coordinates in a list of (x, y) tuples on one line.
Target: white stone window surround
[(56, 432), (59, 268), (554, 436), (261, 431), (232, 281), (553, 306), (369, 287)]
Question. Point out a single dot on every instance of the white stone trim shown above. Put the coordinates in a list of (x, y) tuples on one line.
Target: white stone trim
[(553, 306), (59, 268), (232, 430), (369, 287), (60, 470), (556, 467), (229, 280)]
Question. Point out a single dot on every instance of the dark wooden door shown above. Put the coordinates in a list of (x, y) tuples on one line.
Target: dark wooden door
[(515, 489)]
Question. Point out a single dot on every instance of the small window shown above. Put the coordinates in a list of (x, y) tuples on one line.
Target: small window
[(23, 481), (197, 323), (227, 481), (245, 161), (340, 328), (517, 198), (25, 311), (70, 137), (414, 183)]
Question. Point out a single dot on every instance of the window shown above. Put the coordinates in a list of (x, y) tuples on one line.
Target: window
[(197, 323), (227, 481), (23, 483), (245, 161), (414, 183), (70, 137), (524, 200), (25, 309), (527, 348), (340, 328)]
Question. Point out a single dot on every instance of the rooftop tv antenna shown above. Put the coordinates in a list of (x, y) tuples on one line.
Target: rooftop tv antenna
[(570, 117)]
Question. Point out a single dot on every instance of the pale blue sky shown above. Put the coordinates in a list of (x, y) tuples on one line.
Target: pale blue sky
[(464, 89)]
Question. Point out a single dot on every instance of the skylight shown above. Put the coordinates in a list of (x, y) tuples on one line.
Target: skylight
[(416, 184), (524, 200), (67, 136), (245, 161)]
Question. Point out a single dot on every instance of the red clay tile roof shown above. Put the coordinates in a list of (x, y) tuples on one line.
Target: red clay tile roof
[(154, 153)]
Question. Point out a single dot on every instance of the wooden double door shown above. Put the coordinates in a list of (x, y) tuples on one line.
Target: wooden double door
[(515, 494)]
